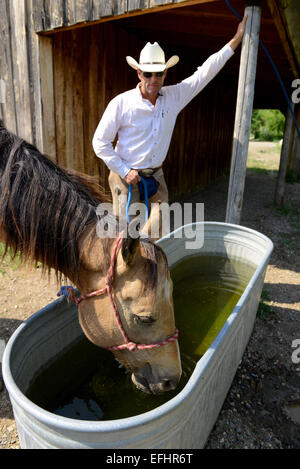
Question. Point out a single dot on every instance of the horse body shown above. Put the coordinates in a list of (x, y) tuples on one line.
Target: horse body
[(49, 214)]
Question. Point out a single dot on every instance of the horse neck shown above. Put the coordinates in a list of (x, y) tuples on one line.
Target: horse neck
[(95, 255)]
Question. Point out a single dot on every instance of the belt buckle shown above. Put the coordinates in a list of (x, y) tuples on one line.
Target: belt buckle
[(147, 172)]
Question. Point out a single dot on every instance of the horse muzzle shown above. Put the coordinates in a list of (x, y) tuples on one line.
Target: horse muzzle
[(150, 382)]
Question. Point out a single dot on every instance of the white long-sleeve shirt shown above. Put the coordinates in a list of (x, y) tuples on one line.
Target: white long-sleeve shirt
[(145, 130)]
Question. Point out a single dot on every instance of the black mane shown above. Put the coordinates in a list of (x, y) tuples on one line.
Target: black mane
[(43, 208)]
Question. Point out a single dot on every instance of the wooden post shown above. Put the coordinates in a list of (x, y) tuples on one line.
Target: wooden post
[(47, 137), (294, 154), (284, 156), (243, 115)]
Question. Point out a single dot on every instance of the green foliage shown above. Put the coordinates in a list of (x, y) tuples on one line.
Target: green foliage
[(267, 124)]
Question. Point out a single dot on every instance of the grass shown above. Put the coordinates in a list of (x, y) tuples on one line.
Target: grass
[(263, 159)]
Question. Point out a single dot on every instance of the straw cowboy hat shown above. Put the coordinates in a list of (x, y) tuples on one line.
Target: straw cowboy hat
[(152, 59)]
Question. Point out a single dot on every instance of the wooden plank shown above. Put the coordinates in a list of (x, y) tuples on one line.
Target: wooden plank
[(60, 65), (34, 73), (70, 66), (109, 66), (37, 10), (6, 70), (68, 51), (41, 14), (56, 13), (20, 68), (119, 7), (82, 9), (102, 93), (154, 3), (91, 99), (79, 66), (70, 12), (45, 53), (137, 5), (78, 11), (101, 9), (284, 156), (244, 108)]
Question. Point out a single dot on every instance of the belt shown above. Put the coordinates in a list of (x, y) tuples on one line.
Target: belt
[(147, 172)]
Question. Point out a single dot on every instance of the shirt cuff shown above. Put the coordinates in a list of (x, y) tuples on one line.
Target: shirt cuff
[(228, 49), (124, 171)]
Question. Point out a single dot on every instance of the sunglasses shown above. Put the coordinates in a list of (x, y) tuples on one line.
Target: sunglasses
[(149, 74)]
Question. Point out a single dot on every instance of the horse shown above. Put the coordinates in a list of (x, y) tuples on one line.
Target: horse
[(48, 214)]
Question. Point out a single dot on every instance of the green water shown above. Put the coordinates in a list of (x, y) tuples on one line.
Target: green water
[(87, 383)]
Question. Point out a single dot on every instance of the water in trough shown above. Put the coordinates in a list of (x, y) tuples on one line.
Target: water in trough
[(87, 383)]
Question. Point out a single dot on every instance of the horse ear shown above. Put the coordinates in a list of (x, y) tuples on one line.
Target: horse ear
[(130, 247)]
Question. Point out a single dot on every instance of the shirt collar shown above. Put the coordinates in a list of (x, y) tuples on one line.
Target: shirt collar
[(160, 93)]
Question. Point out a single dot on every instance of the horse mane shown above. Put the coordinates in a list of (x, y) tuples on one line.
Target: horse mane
[(44, 208)]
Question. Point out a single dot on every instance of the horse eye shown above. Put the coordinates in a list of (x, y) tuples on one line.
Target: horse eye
[(143, 319)]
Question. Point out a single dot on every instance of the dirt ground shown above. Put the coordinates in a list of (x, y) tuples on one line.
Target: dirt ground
[(262, 408)]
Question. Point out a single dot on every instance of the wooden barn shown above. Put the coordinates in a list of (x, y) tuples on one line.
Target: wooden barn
[(62, 61)]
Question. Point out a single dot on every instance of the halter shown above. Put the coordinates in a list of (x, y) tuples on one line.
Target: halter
[(128, 344)]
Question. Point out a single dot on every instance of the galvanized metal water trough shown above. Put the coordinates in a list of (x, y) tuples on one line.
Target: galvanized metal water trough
[(183, 422)]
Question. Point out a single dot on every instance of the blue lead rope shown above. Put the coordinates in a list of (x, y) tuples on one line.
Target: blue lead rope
[(130, 196)]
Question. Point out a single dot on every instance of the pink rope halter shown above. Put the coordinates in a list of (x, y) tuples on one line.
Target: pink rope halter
[(128, 344)]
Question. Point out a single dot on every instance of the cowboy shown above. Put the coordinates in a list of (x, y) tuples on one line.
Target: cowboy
[(144, 119)]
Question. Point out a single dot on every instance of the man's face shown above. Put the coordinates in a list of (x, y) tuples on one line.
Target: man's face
[(150, 85)]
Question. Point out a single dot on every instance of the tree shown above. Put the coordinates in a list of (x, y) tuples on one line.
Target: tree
[(267, 124)]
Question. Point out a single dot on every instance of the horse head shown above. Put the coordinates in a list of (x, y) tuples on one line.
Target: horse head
[(142, 295)]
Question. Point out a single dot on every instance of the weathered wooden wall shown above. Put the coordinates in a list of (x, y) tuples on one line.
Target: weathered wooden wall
[(51, 14), (57, 87), (89, 70), (87, 74), (14, 66), (26, 58), (20, 70)]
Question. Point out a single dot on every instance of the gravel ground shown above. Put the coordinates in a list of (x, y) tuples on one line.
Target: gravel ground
[(262, 408)]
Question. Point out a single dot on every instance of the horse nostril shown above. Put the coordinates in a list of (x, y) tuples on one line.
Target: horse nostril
[(169, 384)]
